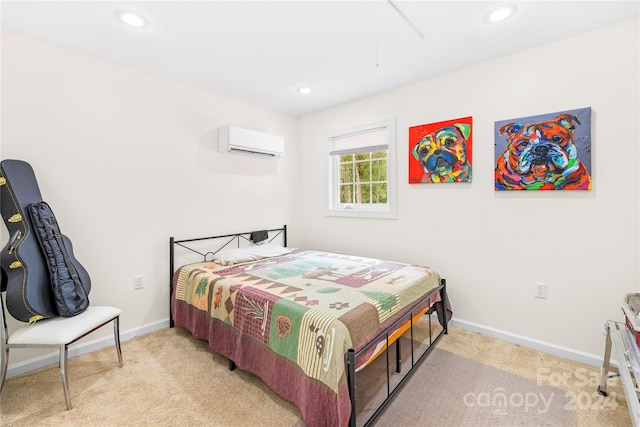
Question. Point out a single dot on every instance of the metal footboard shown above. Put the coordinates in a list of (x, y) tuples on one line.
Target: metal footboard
[(391, 392)]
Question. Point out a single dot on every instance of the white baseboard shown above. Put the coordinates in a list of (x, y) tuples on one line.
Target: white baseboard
[(90, 346), (556, 350), (82, 347)]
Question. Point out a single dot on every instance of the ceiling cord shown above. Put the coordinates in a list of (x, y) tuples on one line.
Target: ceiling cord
[(405, 18)]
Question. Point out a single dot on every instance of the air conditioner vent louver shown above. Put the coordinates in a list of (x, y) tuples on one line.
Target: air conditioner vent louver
[(250, 153), (249, 142)]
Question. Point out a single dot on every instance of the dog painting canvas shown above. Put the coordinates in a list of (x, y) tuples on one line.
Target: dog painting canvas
[(440, 152), (546, 152)]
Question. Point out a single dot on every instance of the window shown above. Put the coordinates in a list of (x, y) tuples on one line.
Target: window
[(362, 172)]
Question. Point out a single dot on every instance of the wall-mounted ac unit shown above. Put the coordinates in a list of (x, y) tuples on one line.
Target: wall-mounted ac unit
[(250, 142)]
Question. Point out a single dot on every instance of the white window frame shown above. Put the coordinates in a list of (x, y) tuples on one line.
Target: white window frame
[(384, 211)]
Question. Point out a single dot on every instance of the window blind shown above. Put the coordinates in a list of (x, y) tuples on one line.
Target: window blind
[(372, 140)]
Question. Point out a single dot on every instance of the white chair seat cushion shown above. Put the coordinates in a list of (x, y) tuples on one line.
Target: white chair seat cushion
[(63, 330)]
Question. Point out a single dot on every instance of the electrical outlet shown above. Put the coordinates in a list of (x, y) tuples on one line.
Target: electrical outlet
[(138, 283), (540, 290)]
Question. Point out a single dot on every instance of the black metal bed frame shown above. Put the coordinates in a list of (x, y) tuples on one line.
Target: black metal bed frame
[(351, 355)]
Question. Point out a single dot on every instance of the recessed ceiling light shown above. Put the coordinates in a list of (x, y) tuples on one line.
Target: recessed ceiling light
[(502, 12), (305, 90), (132, 19)]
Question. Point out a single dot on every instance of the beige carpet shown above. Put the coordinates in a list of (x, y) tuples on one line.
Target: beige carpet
[(170, 379), (451, 390)]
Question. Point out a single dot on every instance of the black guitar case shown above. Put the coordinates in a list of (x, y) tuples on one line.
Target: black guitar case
[(25, 267), (69, 293)]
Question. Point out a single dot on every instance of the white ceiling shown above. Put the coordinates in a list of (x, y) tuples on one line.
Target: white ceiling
[(261, 51)]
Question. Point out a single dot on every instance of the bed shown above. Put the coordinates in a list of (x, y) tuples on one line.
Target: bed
[(309, 323)]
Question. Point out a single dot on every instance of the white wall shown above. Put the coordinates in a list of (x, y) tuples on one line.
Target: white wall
[(492, 246), (127, 159)]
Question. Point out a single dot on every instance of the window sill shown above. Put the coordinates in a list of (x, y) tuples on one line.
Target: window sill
[(354, 213)]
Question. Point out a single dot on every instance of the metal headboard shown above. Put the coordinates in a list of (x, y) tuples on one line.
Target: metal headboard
[(208, 255)]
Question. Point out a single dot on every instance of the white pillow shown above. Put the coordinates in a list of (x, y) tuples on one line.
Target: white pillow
[(250, 253), (267, 250)]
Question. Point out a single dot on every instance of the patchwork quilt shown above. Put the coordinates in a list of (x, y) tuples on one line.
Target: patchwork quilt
[(307, 306)]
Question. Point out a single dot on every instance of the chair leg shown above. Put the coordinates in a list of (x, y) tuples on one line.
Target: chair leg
[(4, 363), (4, 343), (116, 337), (62, 362), (63, 374)]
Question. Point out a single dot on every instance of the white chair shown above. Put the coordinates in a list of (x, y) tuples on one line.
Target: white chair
[(57, 332)]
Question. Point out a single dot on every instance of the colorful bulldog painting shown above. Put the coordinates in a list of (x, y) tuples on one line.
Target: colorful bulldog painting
[(546, 152), (440, 152)]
